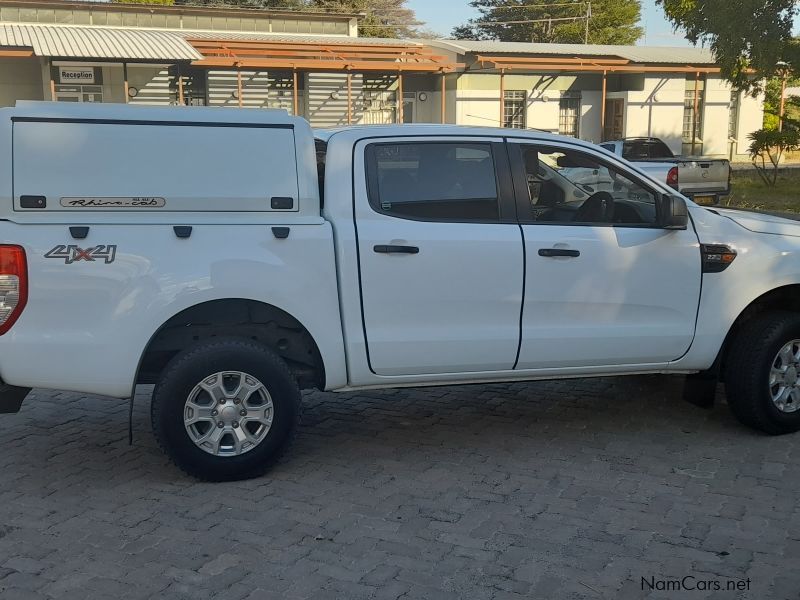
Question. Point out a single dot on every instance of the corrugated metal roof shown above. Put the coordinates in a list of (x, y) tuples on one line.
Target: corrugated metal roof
[(637, 54), (99, 42), (294, 38), (75, 41)]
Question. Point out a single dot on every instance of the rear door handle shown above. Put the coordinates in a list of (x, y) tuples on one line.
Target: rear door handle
[(391, 249), (552, 252)]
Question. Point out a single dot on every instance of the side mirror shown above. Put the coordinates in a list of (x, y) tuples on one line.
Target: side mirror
[(673, 213)]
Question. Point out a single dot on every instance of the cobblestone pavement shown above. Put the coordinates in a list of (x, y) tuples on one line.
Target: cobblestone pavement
[(574, 489)]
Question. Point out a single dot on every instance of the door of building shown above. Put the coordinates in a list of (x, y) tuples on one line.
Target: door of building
[(614, 120), (409, 107)]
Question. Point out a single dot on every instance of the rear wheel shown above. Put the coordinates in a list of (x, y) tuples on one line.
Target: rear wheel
[(225, 409), (762, 378)]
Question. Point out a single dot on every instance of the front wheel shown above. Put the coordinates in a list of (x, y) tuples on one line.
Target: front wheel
[(225, 409), (762, 378)]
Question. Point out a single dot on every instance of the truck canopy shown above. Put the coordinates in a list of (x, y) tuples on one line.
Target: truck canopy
[(70, 163)]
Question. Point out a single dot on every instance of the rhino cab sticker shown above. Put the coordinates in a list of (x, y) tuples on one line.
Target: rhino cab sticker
[(113, 202), (72, 254)]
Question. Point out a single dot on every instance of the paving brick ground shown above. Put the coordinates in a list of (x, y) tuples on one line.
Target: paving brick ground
[(553, 490)]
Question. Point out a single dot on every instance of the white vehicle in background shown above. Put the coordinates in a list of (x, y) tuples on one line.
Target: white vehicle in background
[(704, 180), (234, 257)]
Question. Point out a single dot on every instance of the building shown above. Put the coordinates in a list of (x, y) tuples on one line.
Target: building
[(314, 65), (604, 92)]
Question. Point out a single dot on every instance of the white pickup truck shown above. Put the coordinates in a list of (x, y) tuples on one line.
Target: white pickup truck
[(705, 180), (234, 257)]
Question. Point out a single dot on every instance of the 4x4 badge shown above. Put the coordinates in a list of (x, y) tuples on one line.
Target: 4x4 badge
[(73, 254)]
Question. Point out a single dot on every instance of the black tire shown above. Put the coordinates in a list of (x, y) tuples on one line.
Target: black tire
[(748, 369), (188, 369)]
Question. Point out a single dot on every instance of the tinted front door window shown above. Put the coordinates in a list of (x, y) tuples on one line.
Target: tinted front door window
[(434, 181)]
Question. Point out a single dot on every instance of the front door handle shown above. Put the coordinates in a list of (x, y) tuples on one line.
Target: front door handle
[(552, 252), (391, 249)]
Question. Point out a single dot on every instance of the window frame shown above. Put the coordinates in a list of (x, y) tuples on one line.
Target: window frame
[(692, 133), (515, 119), (506, 198), (523, 194), (567, 102), (733, 115)]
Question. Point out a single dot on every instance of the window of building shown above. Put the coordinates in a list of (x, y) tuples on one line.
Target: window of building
[(79, 93), (248, 25), (568, 186), (114, 18), (693, 131), (514, 109), (733, 116), (569, 114), (48, 16), (8, 13), (437, 181), (63, 16), (159, 20), (129, 18)]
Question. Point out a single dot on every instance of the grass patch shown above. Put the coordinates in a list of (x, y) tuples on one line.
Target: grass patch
[(748, 191)]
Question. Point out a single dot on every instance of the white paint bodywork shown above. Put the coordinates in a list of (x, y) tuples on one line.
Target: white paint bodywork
[(87, 324), (640, 292)]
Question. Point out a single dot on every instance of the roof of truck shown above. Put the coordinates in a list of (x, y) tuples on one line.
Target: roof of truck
[(425, 129), (133, 112)]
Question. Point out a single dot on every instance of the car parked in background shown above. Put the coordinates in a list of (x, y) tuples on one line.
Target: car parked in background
[(704, 180)]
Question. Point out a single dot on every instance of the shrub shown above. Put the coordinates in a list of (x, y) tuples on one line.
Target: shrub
[(767, 147)]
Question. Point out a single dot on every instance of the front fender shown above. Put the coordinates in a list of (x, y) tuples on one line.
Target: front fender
[(764, 263)]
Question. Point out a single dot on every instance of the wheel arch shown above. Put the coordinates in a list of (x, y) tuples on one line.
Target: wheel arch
[(786, 297), (239, 317)]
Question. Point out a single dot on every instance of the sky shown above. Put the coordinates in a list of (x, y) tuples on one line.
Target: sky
[(442, 15)]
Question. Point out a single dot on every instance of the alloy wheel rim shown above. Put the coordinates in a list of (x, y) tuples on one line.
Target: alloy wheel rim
[(228, 413), (784, 378)]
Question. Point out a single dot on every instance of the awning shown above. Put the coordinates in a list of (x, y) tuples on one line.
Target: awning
[(345, 56), (582, 64), (64, 41)]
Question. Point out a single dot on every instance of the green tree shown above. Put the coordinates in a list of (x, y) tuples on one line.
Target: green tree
[(767, 147), (772, 102), (160, 2), (384, 18), (554, 21), (751, 39), (286, 4)]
